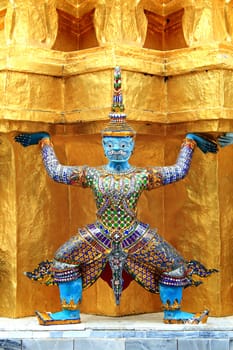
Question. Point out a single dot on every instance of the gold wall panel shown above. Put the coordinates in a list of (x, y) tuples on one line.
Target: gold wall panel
[(39, 231), (8, 229), (227, 90), (79, 87), (88, 91), (225, 236), (184, 91), (192, 222), (33, 92), (175, 98)]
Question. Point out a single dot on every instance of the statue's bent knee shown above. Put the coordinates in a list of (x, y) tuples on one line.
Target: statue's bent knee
[(179, 272), (64, 272)]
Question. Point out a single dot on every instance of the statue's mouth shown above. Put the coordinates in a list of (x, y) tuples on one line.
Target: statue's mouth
[(120, 152), (118, 155)]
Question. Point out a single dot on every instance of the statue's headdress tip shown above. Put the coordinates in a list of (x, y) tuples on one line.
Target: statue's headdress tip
[(118, 125)]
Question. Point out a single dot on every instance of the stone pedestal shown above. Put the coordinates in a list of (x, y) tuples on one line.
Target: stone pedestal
[(120, 333)]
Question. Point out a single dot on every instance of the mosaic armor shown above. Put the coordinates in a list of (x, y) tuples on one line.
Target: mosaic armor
[(117, 237)]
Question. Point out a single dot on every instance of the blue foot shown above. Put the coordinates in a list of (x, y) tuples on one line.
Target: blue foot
[(65, 315), (178, 316), (58, 318)]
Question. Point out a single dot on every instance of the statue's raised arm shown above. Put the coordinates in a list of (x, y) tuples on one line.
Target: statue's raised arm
[(178, 171), (60, 173)]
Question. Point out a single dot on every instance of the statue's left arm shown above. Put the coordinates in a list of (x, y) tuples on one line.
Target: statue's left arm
[(165, 175), (226, 139)]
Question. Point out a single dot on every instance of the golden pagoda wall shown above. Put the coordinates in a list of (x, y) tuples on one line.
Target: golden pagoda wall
[(58, 77)]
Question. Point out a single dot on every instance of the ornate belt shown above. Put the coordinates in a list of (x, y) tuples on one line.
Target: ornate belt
[(102, 239)]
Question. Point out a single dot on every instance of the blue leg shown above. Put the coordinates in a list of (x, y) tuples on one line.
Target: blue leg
[(171, 297), (70, 296)]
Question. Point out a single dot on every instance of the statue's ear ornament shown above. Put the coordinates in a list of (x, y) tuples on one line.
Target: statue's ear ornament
[(118, 126)]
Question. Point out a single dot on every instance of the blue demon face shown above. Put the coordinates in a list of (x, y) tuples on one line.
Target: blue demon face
[(118, 149)]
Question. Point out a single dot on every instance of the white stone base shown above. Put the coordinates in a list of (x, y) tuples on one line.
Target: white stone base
[(138, 332)]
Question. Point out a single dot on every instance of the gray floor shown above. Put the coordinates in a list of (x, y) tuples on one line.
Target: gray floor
[(138, 332)]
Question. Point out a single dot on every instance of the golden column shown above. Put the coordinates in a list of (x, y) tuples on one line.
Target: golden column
[(56, 74)]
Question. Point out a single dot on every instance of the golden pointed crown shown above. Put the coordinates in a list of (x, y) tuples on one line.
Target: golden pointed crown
[(118, 126)]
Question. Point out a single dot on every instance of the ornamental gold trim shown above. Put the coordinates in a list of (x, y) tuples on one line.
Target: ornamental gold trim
[(45, 141), (71, 305), (191, 143), (169, 306), (118, 133)]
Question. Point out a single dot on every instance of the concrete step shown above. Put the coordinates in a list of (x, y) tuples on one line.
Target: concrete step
[(137, 332)]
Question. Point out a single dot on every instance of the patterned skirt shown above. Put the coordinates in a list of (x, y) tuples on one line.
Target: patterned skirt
[(140, 252)]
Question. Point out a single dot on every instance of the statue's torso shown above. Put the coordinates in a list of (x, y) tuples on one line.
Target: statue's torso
[(116, 195)]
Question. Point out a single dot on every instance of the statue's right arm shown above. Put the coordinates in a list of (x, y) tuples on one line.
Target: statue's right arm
[(69, 175), (60, 173)]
